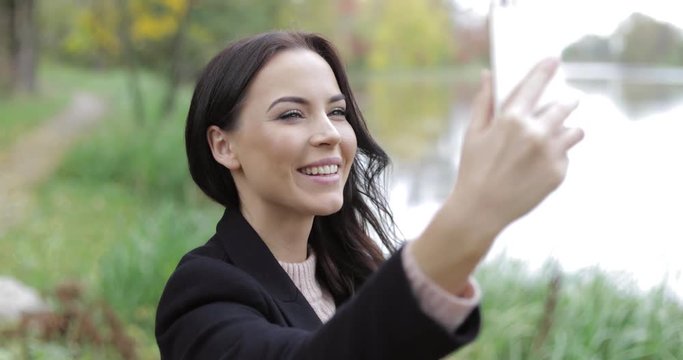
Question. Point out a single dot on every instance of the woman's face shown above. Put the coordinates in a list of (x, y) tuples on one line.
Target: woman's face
[(292, 148)]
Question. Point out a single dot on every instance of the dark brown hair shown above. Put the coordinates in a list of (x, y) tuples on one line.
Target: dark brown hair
[(346, 252)]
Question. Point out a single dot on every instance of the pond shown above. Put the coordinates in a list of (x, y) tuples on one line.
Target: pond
[(620, 208)]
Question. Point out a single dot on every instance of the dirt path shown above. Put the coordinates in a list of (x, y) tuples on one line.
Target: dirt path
[(34, 156)]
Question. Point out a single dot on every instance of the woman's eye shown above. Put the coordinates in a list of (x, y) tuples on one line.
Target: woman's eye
[(291, 114), (338, 112)]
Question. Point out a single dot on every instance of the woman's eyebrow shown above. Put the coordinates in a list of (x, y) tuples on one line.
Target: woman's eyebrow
[(294, 99), (300, 100), (338, 97)]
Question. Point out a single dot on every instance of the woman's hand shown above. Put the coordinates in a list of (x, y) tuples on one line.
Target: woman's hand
[(510, 162)]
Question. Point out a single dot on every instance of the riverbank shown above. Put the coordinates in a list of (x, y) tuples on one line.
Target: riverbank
[(121, 209)]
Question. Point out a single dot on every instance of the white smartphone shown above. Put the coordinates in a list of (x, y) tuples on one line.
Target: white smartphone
[(521, 35)]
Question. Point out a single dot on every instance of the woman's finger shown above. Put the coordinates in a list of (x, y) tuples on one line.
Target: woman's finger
[(569, 137), (524, 97), (542, 110), (555, 114), (482, 111)]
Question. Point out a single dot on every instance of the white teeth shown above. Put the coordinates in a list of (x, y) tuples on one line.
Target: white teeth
[(321, 170)]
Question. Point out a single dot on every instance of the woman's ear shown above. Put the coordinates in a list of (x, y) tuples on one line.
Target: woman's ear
[(222, 147)]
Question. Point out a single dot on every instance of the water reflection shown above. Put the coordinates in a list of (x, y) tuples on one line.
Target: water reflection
[(620, 208), (420, 123), (637, 101), (408, 114)]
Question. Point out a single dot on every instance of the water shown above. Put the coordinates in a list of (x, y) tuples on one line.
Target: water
[(620, 208)]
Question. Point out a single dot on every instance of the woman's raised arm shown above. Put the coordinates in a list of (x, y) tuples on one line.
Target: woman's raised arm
[(511, 161)]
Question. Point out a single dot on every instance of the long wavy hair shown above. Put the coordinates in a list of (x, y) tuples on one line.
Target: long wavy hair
[(346, 251)]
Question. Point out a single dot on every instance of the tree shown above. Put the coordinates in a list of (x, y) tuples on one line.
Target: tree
[(130, 59), (6, 41), (640, 39), (410, 33), (26, 48), (18, 45), (648, 41), (177, 47)]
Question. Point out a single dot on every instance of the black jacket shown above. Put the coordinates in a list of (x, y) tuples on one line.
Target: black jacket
[(230, 299)]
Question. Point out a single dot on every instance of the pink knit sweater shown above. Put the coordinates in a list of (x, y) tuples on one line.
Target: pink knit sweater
[(445, 308)]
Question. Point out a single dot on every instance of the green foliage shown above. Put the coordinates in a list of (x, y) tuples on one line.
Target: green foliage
[(19, 114), (116, 217), (376, 33), (420, 118), (410, 33), (88, 32), (647, 41), (310, 15), (639, 40), (407, 110), (590, 48), (148, 161), (35, 349), (75, 222), (92, 34), (599, 316), (122, 210), (145, 256)]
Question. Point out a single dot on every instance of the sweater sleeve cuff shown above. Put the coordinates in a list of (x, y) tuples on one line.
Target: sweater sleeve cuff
[(448, 310)]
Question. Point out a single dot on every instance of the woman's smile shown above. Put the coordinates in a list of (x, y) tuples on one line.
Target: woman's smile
[(325, 171)]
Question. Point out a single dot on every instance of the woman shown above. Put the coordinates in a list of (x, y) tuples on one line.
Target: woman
[(275, 135)]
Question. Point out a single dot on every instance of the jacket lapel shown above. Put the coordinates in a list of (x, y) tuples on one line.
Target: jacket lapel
[(247, 251)]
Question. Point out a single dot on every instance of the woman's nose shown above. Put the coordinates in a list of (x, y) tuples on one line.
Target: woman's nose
[(325, 132)]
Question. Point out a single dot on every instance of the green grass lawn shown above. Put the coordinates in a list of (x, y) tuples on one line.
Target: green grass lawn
[(121, 210), (595, 317), (21, 113), (117, 214)]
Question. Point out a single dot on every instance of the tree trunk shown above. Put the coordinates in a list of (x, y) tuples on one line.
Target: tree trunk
[(26, 49), (130, 59), (174, 73), (6, 45)]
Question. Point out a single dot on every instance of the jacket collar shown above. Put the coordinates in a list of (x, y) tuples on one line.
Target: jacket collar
[(247, 251)]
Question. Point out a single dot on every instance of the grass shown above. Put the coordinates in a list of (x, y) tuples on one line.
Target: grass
[(596, 317), (118, 213), (20, 113), (122, 209)]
